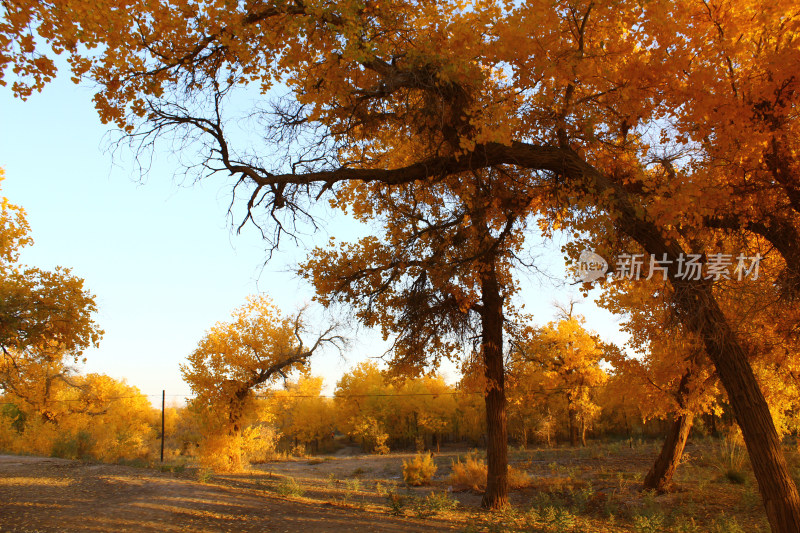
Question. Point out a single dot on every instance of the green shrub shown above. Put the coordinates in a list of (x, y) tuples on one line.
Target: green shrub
[(558, 519), (396, 503), (723, 524), (648, 523), (78, 446), (289, 487), (435, 502)]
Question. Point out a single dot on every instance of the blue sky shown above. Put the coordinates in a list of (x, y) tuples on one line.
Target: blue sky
[(160, 255)]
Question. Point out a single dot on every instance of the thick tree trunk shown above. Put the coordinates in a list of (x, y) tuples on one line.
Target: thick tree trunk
[(496, 494), (777, 487), (660, 475), (699, 312)]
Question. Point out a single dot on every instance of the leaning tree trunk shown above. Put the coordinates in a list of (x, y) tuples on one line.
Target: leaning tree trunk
[(699, 312), (660, 475), (777, 488), (496, 494)]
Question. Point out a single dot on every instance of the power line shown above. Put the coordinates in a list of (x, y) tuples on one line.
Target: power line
[(280, 394)]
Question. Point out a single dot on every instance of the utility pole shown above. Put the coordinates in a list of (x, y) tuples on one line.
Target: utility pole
[(163, 395)]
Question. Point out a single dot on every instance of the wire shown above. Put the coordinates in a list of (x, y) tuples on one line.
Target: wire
[(279, 394)]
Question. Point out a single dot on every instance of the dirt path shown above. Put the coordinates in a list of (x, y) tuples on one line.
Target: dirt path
[(44, 494)]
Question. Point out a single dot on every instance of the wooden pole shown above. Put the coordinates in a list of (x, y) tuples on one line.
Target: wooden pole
[(163, 395)]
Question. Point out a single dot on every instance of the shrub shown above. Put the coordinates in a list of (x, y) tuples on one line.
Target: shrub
[(648, 524), (396, 503), (558, 519), (289, 487), (723, 524), (419, 470), (78, 446), (437, 502), (472, 474), (518, 479)]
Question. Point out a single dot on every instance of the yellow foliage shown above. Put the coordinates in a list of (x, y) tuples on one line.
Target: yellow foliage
[(472, 475), (234, 361), (221, 452), (259, 443), (419, 470), (300, 412), (94, 417), (372, 435)]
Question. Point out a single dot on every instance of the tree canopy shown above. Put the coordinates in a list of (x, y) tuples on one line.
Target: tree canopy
[(46, 318), (649, 120)]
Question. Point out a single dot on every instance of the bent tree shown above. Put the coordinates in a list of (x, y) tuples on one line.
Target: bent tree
[(672, 374), (234, 361), (579, 96)]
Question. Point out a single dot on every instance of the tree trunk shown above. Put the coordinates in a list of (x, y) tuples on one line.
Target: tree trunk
[(660, 475), (496, 494), (573, 429), (583, 432), (699, 311)]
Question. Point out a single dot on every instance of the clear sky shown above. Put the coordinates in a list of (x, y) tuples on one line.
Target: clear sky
[(160, 255)]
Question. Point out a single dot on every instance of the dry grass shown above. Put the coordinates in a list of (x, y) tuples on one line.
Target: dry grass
[(471, 474)]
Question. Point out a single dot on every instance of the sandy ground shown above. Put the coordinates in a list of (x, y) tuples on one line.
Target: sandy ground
[(47, 494)]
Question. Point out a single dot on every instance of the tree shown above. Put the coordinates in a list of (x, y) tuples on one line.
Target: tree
[(237, 359), (46, 318), (439, 269), (566, 93), (561, 359), (668, 376), (672, 375), (90, 415), (301, 413)]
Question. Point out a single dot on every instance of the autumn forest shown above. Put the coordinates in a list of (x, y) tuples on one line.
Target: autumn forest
[(656, 139)]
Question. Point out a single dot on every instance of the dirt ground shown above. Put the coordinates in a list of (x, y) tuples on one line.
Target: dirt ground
[(594, 489), (45, 494)]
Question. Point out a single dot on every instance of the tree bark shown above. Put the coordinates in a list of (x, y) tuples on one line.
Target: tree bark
[(496, 494), (659, 477), (583, 432), (573, 429), (699, 311), (777, 488)]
